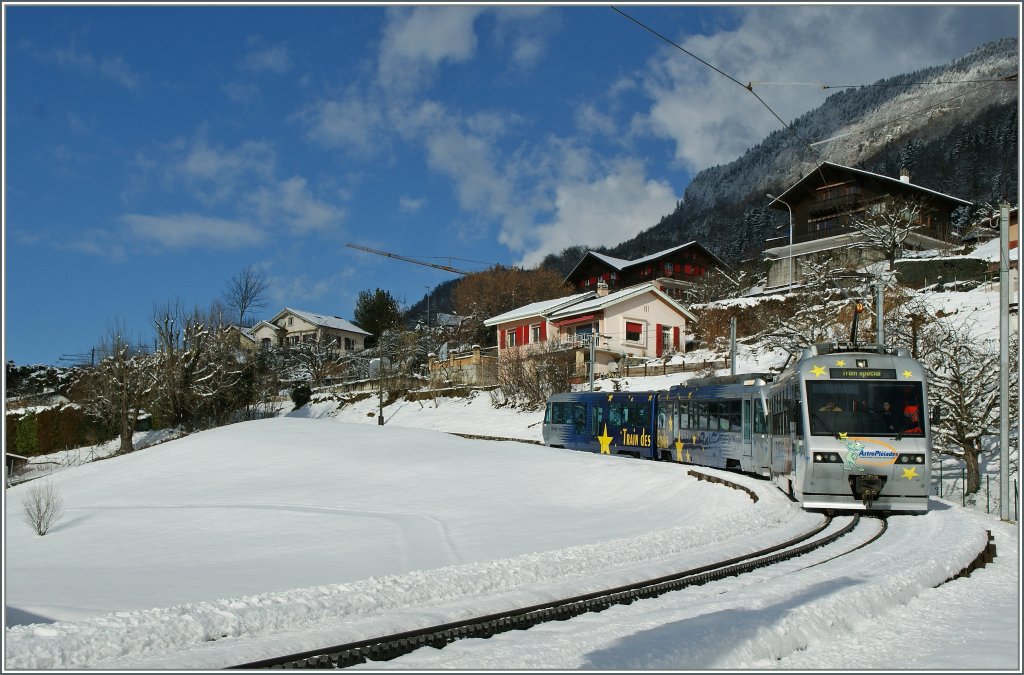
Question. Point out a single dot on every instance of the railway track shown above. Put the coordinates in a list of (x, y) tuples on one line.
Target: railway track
[(387, 647)]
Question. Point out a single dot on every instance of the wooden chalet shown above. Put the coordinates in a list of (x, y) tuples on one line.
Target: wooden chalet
[(672, 270)]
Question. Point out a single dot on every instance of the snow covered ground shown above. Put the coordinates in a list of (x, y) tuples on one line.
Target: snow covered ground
[(321, 527), (279, 536)]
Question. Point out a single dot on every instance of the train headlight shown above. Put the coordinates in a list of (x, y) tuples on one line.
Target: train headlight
[(910, 459), (827, 457)]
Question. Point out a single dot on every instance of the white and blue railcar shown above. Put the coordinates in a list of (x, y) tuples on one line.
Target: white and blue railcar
[(848, 428), (843, 427)]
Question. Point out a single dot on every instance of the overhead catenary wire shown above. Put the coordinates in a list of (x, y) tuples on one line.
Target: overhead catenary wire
[(721, 72)]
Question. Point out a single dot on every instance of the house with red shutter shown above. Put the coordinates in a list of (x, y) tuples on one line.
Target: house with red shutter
[(674, 270), (638, 321)]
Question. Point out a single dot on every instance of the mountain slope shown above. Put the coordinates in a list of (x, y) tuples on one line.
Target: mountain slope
[(940, 123)]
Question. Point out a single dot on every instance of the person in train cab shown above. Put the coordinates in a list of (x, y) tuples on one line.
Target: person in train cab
[(913, 425), (889, 416), (830, 406)]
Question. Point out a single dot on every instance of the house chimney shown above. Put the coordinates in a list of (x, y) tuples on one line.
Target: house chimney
[(904, 176), (602, 288)]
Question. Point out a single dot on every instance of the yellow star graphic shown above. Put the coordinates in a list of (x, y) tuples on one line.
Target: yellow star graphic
[(841, 363), (693, 439), (687, 455), (910, 473), (679, 450), (818, 371), (842, 435), (605, 440), (907, 374)]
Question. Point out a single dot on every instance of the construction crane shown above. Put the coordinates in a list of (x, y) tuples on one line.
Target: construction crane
[(446, 268)]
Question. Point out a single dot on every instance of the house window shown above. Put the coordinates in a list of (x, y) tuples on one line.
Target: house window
[(265, 343), (634, 331), (291, 320), (535, 333), (666, 338), (350, 344), (510, 337)]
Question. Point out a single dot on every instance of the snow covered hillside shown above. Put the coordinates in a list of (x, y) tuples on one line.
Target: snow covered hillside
[(320, 527)]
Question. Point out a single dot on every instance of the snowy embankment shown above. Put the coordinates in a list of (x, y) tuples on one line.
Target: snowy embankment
[(284, 535)]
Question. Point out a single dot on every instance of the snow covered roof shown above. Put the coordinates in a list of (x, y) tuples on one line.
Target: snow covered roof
[(877, 176), (583, 303), (541, 308), (323, 320), (620, 264), (599, 303)]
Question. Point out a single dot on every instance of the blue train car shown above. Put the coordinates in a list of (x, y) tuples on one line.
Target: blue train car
[(718, 422), (612, 424)]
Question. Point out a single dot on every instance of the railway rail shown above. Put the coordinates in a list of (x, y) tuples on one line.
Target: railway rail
[(387, 647)]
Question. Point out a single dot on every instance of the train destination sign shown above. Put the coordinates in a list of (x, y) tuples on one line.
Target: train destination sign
[(862, 373)]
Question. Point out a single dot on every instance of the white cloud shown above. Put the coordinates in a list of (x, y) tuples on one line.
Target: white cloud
[(411, 204), (292, 204), (241, 92), (216, 174), (526, 37), (417, 40), (713, 120), (354, 123), (609, 208), (188, 230), (113, 68), (263, 58)]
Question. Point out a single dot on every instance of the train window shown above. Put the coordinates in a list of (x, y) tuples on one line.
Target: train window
[(596, 420), (759, 425), (579, 416), (547, 413), (865, 408)]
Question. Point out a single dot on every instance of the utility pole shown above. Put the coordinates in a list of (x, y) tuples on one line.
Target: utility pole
[(593, 355), (732, 345), (879, 314), (1004, 362)]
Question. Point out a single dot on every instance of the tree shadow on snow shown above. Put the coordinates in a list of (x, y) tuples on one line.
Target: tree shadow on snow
[(698, 643), (19, 617)]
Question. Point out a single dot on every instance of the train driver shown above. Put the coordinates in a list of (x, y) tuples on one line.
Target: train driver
[(830, 406)]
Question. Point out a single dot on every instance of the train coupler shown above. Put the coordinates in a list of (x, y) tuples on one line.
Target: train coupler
[(867, 488)]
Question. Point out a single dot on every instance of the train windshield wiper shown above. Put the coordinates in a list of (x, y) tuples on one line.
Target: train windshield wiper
[(828, 428)]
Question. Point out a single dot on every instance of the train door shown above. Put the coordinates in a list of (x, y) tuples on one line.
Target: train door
[(746, 455), (760, 447)]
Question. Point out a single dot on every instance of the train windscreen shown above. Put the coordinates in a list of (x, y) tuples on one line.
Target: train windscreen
[(860, 408)]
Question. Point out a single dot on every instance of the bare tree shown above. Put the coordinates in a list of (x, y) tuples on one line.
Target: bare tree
[(247, 290), (119, 387), (818, 314), (527, 376), (316, 358), (43, 506), (885, 226), (964, 369)]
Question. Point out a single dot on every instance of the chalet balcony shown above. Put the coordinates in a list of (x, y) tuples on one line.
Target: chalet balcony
[(836, 204), (940, 231)]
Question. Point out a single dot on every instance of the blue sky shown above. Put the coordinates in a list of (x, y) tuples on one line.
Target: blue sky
[(153, 152)]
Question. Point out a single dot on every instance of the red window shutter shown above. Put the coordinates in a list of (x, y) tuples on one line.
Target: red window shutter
[(634, 327), (522, 335), (543, 331), (501, 338), (675, 337), (658, 340)]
